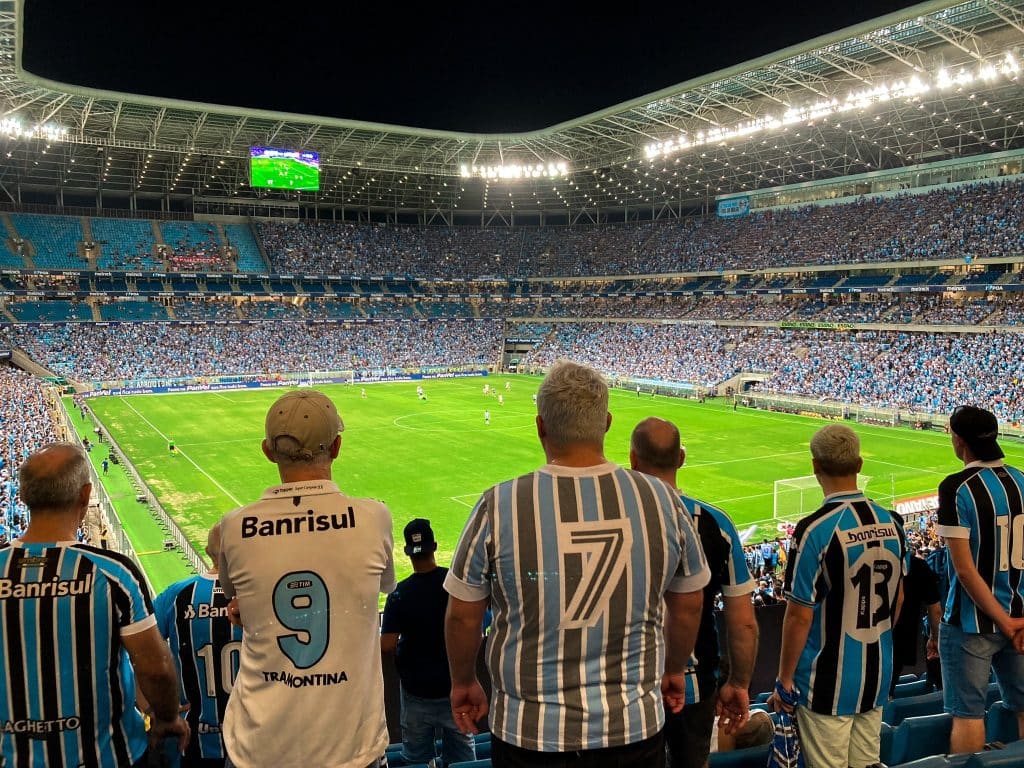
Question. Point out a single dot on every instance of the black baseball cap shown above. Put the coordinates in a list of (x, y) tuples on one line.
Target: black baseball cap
[(979, 429), (419, 537)]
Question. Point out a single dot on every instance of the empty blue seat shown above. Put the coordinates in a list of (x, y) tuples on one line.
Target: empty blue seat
[(885, 743), (473, 764), (937, 761), (1001, 724), (897, 710), (906, 679), (918, 737), (755, 757), (1011, 757), (912, 688)]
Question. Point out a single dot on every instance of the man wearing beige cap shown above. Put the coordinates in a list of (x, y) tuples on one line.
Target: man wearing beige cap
[(307, 564)]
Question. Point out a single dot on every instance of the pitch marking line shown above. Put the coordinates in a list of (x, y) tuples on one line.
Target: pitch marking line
[(749, 458), (459, 499), (152, 426)]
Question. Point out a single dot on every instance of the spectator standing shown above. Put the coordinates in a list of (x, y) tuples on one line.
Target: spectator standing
[(71, 618), (655, 450), (307, 563), (843, 587), (920, 596), (594, 574), (981, 509), (413, 629), (192, 615)]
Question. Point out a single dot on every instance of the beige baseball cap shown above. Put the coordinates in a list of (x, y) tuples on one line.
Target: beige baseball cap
[(308, 418)]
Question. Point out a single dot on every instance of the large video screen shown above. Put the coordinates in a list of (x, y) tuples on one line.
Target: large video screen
[(271, 168)]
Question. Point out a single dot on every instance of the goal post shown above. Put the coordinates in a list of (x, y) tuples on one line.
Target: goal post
[(796, 497)]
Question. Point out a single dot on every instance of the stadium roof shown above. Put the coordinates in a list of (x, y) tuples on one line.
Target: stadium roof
[(937, 81)]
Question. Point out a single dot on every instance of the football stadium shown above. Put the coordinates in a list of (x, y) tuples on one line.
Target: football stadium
[(830, 234)]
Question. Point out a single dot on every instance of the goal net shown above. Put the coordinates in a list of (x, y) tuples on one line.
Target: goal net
[(797, 497)]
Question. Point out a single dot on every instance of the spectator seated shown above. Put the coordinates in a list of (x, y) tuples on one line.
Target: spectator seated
[(132, 310), (55, 238), (126, 244), (52, 311)]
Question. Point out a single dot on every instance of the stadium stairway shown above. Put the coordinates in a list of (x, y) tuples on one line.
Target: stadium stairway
[(12, 235), (90, 255), (7, 314), (158, 236)]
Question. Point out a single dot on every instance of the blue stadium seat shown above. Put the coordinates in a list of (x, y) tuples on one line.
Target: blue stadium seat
[(473, 764), (897, 710), (907, 679), (992, 695), (762, 697), (918, 737), (1011, 757), (937, 761), (1001, 724), (755, 757), (913, 688), (885, 743)]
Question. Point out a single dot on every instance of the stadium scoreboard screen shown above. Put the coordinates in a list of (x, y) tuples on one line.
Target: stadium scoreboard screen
[(271, 168)]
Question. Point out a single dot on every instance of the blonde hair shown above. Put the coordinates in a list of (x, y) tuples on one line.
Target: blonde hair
[(573, 403), (836, 448)]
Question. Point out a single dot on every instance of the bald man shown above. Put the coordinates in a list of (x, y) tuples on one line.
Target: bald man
[(193, 615), (71, 618), (655, 450)]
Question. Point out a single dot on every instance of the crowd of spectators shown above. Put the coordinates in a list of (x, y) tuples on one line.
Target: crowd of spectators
[(976, 221), (26, 423), (85, 351)]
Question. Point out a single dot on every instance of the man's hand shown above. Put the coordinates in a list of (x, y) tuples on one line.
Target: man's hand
[(1018, 641), (673, 692), (166, 729), (469, 706), (235, 613), (1012, 627), (776, 701), (931, 649), (733, 707)]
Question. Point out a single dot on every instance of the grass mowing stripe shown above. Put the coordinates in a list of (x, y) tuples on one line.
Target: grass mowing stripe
[(213, 480)]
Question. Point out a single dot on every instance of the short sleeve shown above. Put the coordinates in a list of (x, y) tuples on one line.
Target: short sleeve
[(128, 592), (736, 579), (163, 609), (391, 623), (469, 576), (693, 572), (803, 570), (387, 576), (951, 524)]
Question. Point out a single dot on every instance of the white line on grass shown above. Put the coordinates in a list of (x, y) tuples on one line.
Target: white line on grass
[(152, 426), (749, 458), (458, 499)]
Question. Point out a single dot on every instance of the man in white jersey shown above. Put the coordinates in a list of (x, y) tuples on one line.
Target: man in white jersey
[(584, 563), (307, 564)]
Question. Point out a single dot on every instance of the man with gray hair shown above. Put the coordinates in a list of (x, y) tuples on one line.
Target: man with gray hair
[(584, 564), (843, 587), (71, 618), (307, 564)]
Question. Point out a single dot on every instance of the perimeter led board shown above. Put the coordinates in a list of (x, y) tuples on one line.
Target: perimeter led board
[(271, 168)]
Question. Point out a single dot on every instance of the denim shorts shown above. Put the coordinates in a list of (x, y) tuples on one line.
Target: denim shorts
[(968, 660)]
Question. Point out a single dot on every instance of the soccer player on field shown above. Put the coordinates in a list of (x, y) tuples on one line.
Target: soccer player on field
[(77, 630), (193, 616), (981, 520), (843, 587), (307, 564), (595, 576), (655, 450)]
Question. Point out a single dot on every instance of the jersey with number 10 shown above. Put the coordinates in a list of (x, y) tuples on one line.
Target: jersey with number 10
[(846, 563), (984, 504), (192, 615), (307, 564)]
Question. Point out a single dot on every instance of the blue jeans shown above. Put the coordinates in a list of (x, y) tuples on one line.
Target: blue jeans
[(968, 660), (421, 718)]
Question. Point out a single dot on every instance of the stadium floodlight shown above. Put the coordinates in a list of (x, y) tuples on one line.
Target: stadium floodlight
[(986, 71), (12, 127), (549, 170)]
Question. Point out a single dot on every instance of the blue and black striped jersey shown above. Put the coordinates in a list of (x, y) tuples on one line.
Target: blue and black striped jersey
[(192, 615), (846, 562), (67, 689), (729, 575), (984, 503)]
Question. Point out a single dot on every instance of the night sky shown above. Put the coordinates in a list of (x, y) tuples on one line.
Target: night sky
[(478, 67)]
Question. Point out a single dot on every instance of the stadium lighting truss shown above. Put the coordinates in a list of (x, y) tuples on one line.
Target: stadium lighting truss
[(937, 81)]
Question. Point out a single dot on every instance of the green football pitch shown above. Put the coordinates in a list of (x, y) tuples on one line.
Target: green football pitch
[(433, 458), (284, 173)]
